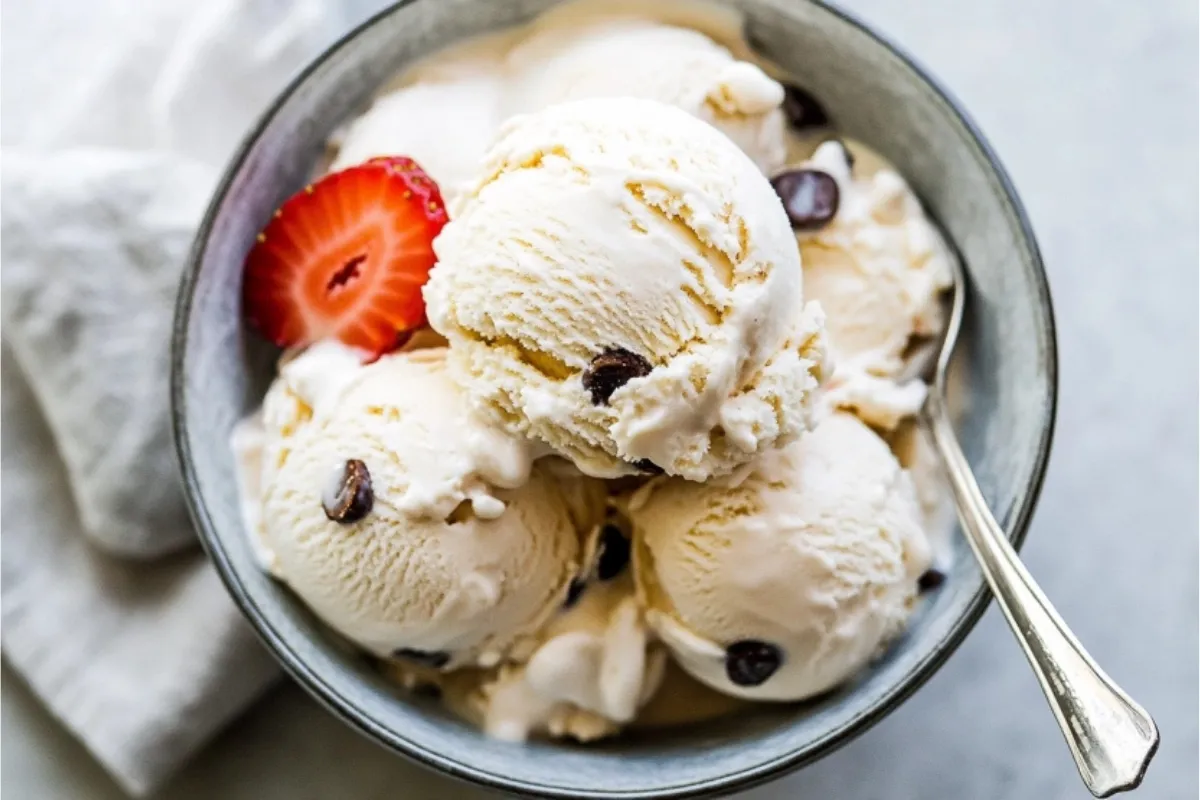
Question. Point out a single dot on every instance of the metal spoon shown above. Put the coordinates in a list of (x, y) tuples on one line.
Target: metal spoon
[(1111, 737)]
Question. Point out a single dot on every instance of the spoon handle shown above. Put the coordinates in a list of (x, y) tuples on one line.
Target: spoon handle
[(1112, 738)]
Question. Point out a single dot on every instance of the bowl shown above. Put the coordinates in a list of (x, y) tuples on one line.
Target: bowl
[(876, 94)]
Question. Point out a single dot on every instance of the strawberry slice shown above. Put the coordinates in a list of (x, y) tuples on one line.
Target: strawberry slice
[(346, 258)]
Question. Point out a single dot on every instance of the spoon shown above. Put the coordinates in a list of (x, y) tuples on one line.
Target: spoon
[(1112, 738)]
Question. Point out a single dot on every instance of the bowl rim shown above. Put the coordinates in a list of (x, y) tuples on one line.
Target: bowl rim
[(343, 708)]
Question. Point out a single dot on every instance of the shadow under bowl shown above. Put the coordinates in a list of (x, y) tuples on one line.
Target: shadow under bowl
[(875, 94)]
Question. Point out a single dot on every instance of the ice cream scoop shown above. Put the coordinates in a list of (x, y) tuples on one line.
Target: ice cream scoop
[(622, 284), (445, 125), (785, 579), (878, 267), (568, 57), (407, 526)]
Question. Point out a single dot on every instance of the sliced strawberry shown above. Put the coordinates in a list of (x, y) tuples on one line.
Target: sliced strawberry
[(346, 258)]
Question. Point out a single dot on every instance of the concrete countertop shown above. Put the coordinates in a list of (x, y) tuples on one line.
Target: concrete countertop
[(1092, 105)]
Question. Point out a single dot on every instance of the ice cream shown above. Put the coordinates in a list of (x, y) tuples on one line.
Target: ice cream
[(404, 524), (879, 269), (916, 453), (262, 441), (587, 502), (445, 127), (594, 668), (591, 668), (594, 665), (623, 285), (625, 288), (785, 579), (445, 111), (574, 57)]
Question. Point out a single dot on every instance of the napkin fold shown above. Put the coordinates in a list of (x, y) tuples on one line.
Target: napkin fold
[(109, 610), (93, 240), (144, 662)]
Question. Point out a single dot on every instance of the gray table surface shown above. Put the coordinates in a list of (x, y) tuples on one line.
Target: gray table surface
[(1092, 104)]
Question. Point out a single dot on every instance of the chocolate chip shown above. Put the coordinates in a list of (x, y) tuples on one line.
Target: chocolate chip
[(614, 553), (611, 370), (931, 579), (802, 109), (809, 196), (648, 466), (435, 659), (750, 662), (574, 591), (351, 497)]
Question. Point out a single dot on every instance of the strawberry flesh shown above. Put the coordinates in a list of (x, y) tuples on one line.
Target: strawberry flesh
[(346, 258)]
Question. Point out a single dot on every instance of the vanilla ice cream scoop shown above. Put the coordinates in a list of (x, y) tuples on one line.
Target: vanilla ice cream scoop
[(782, 581), (445, 126), (407, 526), (566, 57), (878, 268), (622, 284)]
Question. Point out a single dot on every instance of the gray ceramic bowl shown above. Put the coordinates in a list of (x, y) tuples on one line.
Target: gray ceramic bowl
[(874, 93)]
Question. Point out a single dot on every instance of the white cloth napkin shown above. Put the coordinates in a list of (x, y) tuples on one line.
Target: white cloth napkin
[(109, 609)]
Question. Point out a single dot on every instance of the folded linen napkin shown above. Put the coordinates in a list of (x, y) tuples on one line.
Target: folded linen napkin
[(144, 662), (93, 240), (109, 610)]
